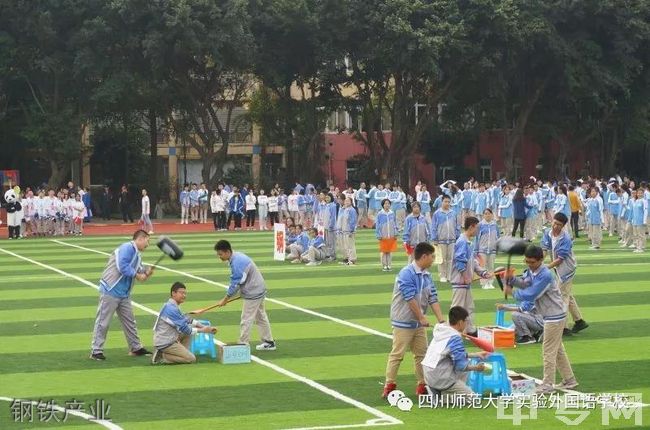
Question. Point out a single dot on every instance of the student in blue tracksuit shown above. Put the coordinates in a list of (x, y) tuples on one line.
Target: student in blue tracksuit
[(595, 218), (374, 205), (529, 324), (417, 228), (468, 201), (299, 244), (538, 285), (558, 244), (446, 362), (346, 226), (172, 331), (486, 244), (481, 201), (386, 232), (236, 205), (194, 204), (423, 197), (562, 205), (413, 292), (246, 279), (505, 211), (614, 209), (184, 199), (531, 214), (444, 232), (628, 233), (123, 268), (361, 197), (465, 264), (639, 215), (330, 228), (315, 253)]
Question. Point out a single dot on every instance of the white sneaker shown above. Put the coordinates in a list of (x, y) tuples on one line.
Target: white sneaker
[(266, 346), (544, 389), (312, 263), (488, 287), (638, 251), (443, 279), (567, 385)]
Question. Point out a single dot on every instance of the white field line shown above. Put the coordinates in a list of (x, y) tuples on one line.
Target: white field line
[(308, 311), (104, 423), (381, 417), (277, 302)]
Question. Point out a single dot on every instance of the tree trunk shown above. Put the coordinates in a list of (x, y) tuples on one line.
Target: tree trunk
[(610, 164), (561, 157), (58, 173), (154, 193)]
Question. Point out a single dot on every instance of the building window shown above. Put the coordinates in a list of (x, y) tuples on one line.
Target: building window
[(486, 170), (446, 172), (352, 167)]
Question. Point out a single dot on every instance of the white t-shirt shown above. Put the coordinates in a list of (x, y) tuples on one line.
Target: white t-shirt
[(263, 200), (292, 203), (273, 203), (250, 202), (145, 205)]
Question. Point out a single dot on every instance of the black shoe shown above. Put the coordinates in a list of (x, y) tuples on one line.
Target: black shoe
[(140, 352), (525, 340), (539, 336), (99, 356), (473, 334), (566, 333), (579, 326)]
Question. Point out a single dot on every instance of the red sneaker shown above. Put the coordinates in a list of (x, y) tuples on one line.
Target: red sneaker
[(387, 389), (421, 389)]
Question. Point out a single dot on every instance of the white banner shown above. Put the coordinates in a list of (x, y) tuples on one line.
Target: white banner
[(279, 242)]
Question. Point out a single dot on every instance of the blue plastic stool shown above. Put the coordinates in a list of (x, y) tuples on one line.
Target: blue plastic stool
[(495, 382), (203, 343), (500, 319)]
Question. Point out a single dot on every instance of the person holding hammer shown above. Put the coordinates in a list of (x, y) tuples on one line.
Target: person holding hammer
[(115, 286)]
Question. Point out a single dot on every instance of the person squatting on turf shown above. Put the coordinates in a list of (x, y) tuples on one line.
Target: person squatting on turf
[(172, 331), (538, 284), (529, 325), (315, 253), (299, 244), (413, 292), (557, 241), (464, 266), (446, 362), (246, 278), (115, 286), (444, 232)]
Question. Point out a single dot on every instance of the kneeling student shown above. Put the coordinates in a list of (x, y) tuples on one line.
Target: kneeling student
[(529, 324), (173, 331), (446, 362), (316, 251)]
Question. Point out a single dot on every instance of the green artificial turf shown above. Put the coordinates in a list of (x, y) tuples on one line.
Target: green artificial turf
[(46, 321)]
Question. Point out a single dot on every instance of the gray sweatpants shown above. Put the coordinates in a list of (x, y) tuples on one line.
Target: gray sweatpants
[(447, 250), (108, 305), (253, 312), (526, 324), (463, 297)]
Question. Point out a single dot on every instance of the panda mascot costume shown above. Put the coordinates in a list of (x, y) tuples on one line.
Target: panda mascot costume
[(14, 213)]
